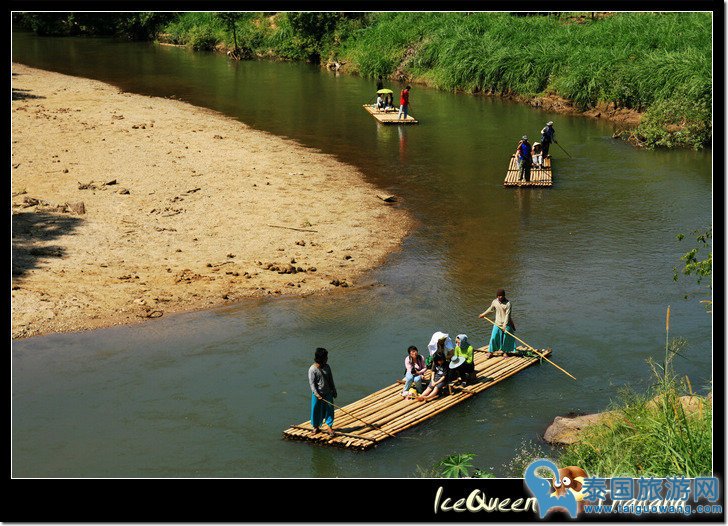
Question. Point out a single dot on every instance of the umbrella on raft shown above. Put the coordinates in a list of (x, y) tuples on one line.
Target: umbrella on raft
[(384, 91)]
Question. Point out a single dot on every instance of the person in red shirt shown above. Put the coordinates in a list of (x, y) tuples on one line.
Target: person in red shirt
[(404, 102)]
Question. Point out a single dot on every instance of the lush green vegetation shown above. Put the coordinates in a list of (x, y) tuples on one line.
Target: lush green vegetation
[(660, 63), (455, 466), (656, 63), (136, 26), (694, 266)]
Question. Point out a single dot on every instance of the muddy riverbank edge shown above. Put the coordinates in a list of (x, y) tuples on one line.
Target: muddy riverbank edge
[(126, 208)]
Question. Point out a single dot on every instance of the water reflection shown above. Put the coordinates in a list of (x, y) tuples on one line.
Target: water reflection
[(402, 143)]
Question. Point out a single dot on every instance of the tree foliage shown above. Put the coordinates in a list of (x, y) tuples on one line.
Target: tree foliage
[(698, 261), (134, 26), (315, 32), (230, 19)]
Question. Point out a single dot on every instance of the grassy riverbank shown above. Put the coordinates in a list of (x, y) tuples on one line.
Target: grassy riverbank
[(667, 432), (658, 64)]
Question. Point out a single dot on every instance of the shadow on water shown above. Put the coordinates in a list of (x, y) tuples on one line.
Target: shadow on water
[(30, 229)]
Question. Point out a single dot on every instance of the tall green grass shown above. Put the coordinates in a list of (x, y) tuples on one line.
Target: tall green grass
[(646, 439), (630, 60), (658, 63), (201, 31)]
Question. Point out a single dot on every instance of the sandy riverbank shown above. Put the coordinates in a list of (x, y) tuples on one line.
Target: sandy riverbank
[(126, 208)]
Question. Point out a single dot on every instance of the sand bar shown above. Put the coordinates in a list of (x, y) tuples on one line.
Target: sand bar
[(126, 208)]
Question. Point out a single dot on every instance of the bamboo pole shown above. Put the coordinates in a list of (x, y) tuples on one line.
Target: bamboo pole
[(534, 350), (340, 409), (373, 409), (339, 433)]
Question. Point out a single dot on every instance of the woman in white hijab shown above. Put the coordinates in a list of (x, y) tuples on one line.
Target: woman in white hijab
[(440, 341)]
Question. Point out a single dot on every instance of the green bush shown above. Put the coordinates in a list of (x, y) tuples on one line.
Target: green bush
[(202, 39), (455, 466)]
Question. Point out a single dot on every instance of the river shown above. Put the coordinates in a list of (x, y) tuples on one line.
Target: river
[(587, 264)]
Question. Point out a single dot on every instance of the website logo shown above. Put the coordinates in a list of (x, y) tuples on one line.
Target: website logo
[(571, 490), (563, 491)]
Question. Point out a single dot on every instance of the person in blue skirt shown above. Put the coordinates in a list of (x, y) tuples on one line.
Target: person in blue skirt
[(323, 391), (499, 340)]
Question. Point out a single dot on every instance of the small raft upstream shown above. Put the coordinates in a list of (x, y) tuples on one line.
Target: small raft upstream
[(389, 116), (390, 413), (539, 176)]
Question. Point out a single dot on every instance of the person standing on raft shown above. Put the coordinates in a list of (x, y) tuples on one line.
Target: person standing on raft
[(499, 340), (523, 156), (548, 135), (404, 102), (323, 391)]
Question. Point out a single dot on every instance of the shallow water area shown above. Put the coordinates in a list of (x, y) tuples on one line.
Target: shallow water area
[(587, 264)]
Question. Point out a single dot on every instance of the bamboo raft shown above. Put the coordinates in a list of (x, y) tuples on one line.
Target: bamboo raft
[(539, 176), (391, 413), (389, 116)]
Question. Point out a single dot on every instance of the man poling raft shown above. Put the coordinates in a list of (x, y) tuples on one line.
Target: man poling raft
[(323, 391), (502, 338), (548, 135), (523, 155)]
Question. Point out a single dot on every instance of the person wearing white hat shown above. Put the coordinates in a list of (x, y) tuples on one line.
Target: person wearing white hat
[(537, 155), (548, 135), (439, 342)]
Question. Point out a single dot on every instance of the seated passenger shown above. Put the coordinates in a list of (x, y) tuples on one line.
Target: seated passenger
[(389, 102), (380, 103), (415, 365), (466, 371), (439, 378), (537, 154), (439, 342)]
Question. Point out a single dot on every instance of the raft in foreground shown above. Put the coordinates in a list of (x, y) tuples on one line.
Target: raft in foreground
[(389, 116), (392, 414), (539, 176)]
